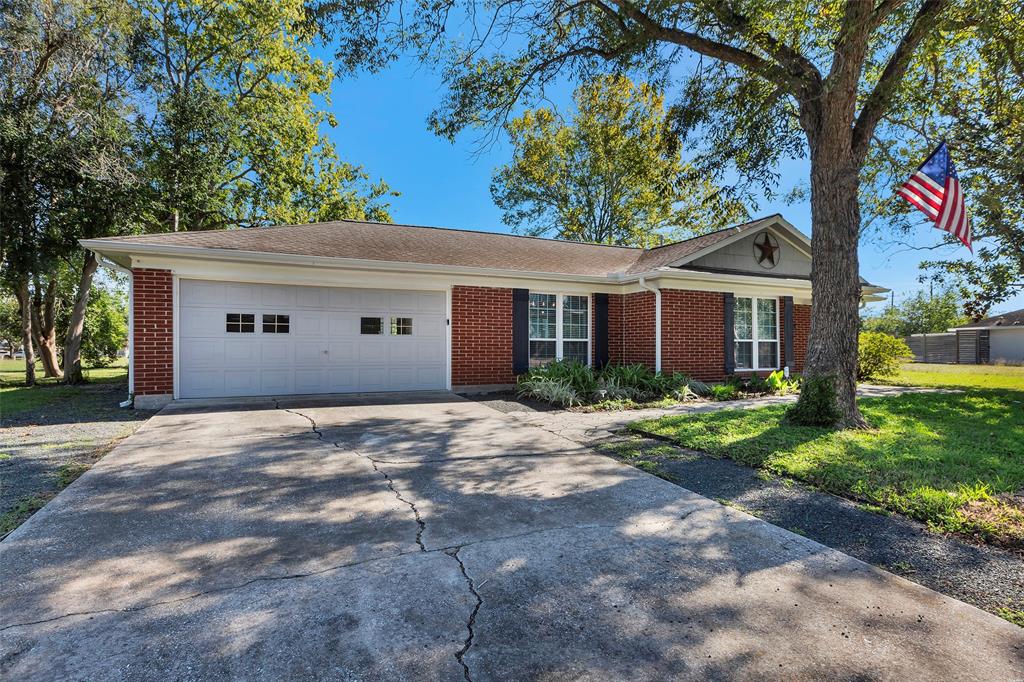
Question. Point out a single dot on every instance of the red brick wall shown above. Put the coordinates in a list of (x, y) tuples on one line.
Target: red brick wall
[(481, 336), (153, 307), (693, 333), (638, 328)]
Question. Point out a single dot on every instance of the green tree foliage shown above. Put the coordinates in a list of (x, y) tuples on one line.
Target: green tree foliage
[(236, 139), (923, 313), (10, 323), (880, 355), (611, 175), (759, 81), (973, 85), (106, 326)]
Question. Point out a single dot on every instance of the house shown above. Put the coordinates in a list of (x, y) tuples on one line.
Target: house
[(999, 338), (353, 306)]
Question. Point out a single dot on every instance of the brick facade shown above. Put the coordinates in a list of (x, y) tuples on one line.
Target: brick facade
[(152, 345), (801, 331), (692, 333), (638, 328), (481, 336)]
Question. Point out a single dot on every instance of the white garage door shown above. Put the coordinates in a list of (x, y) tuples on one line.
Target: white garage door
[(268, 339)]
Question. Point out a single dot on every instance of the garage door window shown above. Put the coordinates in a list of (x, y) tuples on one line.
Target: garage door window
[(241, 323), (275, 324), (401, 326), (371, 325)]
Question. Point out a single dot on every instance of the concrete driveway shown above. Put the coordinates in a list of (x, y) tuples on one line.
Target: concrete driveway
[(436, 538)]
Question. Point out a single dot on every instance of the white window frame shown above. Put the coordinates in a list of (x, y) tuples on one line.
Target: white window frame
[(559, 336), (755, 339)]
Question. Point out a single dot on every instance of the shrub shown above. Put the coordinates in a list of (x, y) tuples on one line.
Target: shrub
[(778, 383), (817, 404), (554, 391), (721, 392), (579, 377), (880, 355)]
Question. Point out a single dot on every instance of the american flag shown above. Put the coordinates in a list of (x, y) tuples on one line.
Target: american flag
[(935, 190)]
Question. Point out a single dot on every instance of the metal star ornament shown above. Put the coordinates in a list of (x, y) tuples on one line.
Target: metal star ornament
[(766, 250)]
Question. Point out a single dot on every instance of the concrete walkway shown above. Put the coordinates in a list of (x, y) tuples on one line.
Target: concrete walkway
[(438, 539), (586, 428)]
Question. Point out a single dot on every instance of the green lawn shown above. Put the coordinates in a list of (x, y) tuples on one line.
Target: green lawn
[(15, 397), (953, 460)]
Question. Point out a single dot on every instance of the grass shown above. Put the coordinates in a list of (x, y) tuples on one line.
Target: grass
[(24, 509), (15, 397), (952, 460)]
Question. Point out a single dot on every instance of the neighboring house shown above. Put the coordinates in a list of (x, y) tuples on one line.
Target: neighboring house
[(999, 338), (354, 306)]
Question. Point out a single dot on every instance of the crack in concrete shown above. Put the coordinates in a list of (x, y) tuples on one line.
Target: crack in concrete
[(460, 655), (215, 590), (421, 525)]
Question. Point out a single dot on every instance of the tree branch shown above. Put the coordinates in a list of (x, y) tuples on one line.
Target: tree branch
[(878, 101)]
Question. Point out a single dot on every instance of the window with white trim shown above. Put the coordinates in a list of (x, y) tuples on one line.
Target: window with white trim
[(756, 333), (559, 328)]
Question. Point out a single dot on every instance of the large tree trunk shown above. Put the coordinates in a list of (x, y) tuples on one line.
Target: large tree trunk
[(25, 303), (44, 328), (73, 339), (835, 275)]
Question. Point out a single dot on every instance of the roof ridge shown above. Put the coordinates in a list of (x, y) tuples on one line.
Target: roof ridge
[(724, 229)]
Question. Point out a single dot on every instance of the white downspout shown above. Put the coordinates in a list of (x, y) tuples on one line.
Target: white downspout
[(657, 322), (131, 328)]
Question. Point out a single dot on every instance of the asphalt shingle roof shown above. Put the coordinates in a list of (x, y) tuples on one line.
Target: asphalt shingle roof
[(440, 246)]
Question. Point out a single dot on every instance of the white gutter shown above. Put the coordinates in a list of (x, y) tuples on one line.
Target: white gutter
[(131, 327), (657, 322)]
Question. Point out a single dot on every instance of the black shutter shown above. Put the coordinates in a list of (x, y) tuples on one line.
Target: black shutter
[(520, 330), (600, 330), (787, 332), (730, 346)]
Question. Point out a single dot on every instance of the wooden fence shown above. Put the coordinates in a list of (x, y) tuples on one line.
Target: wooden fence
[(967, 346)]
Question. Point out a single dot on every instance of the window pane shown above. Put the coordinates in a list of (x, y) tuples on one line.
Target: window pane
[(744, 354), (236, 323), (577, 351), (743, 323), (767, 322), (371, 325), (767, 353), (541, 352), (401, 326), (575, 322), (542, 316)]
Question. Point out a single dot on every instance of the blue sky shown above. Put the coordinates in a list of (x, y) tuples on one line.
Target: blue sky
[(382, 126)]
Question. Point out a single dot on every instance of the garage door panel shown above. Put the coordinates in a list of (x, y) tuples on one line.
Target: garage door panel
[(275, 381), (341, 352), (240, 381), (197, 382), (204, 353), (311, 297), (194, 292), (342, 325), (277, 295), (277, 353), (342, 380), (428, 327), (310, 381), (372, 352), (310, 353), (323, 349), (241, 294), (308, 324), (343, 299), (203, 322)]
